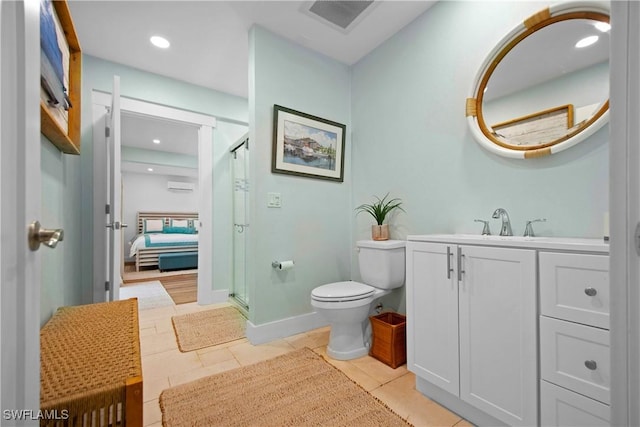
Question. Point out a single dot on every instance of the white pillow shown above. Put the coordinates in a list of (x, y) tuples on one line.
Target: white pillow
[(153, 225), (183, 223)]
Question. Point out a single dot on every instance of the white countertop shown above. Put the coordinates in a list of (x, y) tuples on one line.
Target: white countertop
[(549, 243)]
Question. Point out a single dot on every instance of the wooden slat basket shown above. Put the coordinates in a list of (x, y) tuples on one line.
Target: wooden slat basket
[(389, 338)]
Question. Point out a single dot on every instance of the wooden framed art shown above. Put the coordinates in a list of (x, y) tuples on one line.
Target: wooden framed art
[(307, 145), (60, 70)]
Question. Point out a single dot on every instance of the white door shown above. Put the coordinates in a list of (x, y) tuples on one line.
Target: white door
[(114, 225), (432, 313), (497, 297), (20, 182)]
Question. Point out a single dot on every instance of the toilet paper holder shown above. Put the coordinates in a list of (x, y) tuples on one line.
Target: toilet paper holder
[(279, 264)]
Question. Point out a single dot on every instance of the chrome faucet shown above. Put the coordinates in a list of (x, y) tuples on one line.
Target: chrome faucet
[(505, 230)]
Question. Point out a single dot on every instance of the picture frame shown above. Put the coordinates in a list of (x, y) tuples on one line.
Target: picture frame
[(307, 146), (59, 124)]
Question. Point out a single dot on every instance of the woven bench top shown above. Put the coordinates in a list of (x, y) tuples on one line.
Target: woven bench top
[(87, 353)]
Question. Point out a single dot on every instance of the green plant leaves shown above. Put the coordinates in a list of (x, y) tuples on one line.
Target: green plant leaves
[(381, 208)]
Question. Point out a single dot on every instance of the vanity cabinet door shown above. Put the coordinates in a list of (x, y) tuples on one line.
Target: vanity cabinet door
[(498, 368), (432, 313)]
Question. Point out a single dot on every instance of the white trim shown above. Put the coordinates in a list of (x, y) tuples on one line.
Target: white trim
[(102, 100), (99, 118), (624, 205), (150, 109), (266, 332), (205, 214), (214, 297)]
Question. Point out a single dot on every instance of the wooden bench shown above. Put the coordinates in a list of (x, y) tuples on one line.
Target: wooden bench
[(177, 261), (90, 366)]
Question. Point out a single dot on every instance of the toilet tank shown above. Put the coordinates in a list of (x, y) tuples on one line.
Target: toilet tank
[(382, 263)]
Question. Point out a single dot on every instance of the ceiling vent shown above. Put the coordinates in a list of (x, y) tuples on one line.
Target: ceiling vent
[(343, 15)]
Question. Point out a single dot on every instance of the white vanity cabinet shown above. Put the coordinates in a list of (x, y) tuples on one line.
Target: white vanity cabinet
[(510, 330), (574, 339), (471, 318)]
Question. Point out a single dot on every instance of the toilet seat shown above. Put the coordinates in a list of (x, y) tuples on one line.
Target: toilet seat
[(342, 291)]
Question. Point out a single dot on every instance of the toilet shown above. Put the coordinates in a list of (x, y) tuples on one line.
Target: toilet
[(348, 305)]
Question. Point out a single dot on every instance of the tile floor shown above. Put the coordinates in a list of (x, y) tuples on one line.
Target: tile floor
[(164, 366)]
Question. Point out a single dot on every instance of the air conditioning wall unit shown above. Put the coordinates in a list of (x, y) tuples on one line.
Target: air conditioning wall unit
[(180, 186)]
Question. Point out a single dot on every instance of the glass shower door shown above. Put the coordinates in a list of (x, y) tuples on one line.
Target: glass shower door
[(239, 168)]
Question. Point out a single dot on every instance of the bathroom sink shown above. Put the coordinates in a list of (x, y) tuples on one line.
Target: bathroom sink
[(558, 243)]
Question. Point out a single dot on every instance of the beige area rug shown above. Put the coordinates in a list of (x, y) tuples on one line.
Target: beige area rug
[(296, 389), (208, 328), (183, 289)]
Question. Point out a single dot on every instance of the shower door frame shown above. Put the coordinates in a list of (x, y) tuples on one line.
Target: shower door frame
[(241, 300)]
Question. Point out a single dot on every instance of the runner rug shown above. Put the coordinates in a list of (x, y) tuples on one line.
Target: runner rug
[(208, 328), (296, 389)]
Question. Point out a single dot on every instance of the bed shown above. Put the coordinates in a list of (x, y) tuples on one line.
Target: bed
[(163, 232)]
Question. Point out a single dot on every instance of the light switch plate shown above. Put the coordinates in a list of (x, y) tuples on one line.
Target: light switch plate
[(274, 200)]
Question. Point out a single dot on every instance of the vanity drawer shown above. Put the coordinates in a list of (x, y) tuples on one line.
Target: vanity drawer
[(576, 357), (575, 287), (564, 408)]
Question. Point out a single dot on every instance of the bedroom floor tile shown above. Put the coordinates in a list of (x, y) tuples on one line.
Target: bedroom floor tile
[(364, 380), (164, 365), (248, 354), (401, 396), (157, 343), (151, 413), (195, 374), (152, 387), (169, 363), (378, 370)]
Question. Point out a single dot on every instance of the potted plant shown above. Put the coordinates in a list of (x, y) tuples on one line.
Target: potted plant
[(379, 211)]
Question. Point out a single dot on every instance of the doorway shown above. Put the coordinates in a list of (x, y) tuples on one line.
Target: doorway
[(204, 128)]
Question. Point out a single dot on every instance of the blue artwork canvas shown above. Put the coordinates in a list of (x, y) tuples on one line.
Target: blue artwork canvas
[(51, 67)]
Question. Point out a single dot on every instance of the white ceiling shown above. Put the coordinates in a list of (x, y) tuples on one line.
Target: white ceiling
[(209, 46), (209, 39), (139, 131)]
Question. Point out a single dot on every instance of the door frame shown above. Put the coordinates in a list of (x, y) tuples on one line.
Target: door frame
[(624, 207), (20, 191), (100, 102)]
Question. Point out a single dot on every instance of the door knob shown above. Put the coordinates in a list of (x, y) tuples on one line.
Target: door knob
[(49, 237)]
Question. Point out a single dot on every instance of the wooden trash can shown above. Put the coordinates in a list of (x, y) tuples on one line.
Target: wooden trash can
[(389, 341)]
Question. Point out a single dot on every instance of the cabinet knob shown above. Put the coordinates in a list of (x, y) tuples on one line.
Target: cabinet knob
[(591, 365), (590, 291)]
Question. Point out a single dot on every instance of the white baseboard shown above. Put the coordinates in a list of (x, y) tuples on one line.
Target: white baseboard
[(213, 297), (260, 334)]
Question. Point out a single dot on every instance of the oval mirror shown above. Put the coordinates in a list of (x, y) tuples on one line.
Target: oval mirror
[(545, 86)]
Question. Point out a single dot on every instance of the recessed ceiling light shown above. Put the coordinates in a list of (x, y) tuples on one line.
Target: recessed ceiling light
[(160, 42), (587, 41), (156, 141), (603, 26), (150, 169)]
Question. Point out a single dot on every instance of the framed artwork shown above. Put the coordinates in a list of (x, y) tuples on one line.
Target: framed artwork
[(307, 145)]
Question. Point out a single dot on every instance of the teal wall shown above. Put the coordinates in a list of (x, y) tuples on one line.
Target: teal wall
[(67, 181), (413, 140), (313, 227), (404, 106), (61, 278), (411, 137)]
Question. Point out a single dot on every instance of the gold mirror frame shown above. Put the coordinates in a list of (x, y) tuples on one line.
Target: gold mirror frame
[(483, 134)]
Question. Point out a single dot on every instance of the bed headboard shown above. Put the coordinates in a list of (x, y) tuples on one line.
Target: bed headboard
[(166, 215)]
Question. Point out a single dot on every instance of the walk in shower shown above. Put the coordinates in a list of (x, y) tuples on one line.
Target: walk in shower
[(239, 170)]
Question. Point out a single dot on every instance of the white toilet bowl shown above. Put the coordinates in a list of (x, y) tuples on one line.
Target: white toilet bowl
[(346, 306)]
